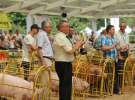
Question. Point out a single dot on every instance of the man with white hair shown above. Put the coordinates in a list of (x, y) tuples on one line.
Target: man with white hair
[(123, 47), (44, 45), (123, 42)]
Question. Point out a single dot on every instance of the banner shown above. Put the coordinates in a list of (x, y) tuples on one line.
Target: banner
[(4, 21)]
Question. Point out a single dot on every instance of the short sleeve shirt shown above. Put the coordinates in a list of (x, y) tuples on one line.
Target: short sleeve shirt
[(44, 42), (109, 42), (28, 40), (122, 39)]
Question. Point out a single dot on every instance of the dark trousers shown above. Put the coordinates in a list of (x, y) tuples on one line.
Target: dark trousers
[(26, 68), (119, 67), (64, 71), (2, 98)]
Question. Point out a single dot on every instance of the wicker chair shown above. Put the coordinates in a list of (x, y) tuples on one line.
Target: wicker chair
[(100, 84), (42, 81), (41, 86), (127, 76)]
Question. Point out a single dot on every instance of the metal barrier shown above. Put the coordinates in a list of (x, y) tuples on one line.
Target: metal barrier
[(14, 62), (3, 59)]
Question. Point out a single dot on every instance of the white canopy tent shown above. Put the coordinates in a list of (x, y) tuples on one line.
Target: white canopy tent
[(73, 8)]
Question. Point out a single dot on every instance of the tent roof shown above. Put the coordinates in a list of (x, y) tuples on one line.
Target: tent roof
[(73, 8)]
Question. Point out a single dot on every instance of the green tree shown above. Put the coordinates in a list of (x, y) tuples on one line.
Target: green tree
[(77, 23), (54, 20), (129, 20), (101, 23), (18, 21)]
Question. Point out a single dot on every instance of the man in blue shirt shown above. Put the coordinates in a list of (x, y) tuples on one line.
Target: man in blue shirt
[(108, 43)]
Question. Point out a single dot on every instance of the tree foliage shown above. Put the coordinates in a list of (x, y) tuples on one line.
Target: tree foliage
[(129, 20), (77, 23), (101, 23), (18, 21), (54, 21)]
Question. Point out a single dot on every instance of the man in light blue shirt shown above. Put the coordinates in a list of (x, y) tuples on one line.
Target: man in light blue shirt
[(44, 45), (108, 43)]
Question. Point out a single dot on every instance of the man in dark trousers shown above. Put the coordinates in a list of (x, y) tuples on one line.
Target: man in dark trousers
[(64, 55)]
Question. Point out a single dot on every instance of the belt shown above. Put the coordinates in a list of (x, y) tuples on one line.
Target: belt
[(123, 51), (48, 57)]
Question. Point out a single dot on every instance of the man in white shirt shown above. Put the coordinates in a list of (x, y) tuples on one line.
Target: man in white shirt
[(123, 41), (29, 45), (123, 47), (64, 55), (44, 45)]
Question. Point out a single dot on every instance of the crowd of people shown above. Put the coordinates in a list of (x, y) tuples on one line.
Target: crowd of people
[(62, 49), (10, 40)]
